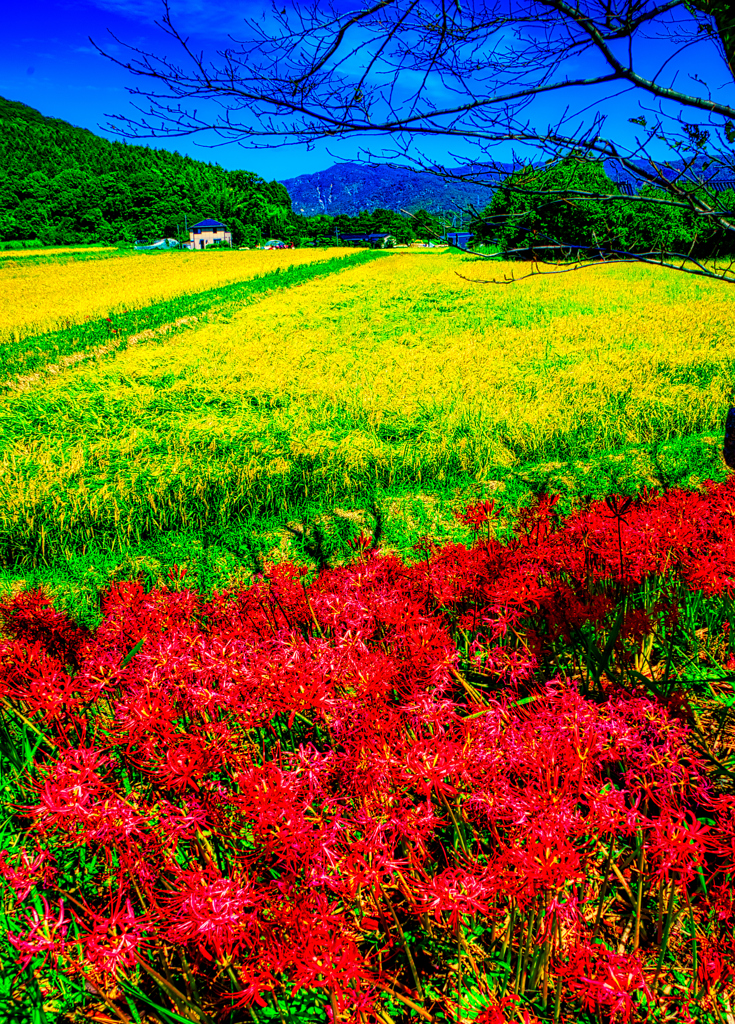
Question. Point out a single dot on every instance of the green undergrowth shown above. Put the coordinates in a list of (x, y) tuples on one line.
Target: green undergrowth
[(316, 533), (26, 354)]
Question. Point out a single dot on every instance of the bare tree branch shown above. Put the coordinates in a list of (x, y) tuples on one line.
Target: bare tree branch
[(320, 71)]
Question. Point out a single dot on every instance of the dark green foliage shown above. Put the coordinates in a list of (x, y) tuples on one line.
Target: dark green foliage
[(380, 221), (537, 208), (65, 185), (62, 185), (425, 225), (661, 226), (325, 230)]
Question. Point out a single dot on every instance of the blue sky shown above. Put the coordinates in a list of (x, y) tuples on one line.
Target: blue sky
[(50, 65)]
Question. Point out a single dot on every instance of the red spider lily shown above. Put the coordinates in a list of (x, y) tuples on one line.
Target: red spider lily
[(114, 941), (37, 679), (27, 872), (323, 953), (455, 892), (273, 766), (253, 981), (677, 846), (716, 962), (547, 863), (495, 1014), (564, 913), (216, 915), (537, 521), (361, 543), (476, 515), (185, 763), (724, 807), (45, 935), (509, 666), (606, 979), (70, 789)]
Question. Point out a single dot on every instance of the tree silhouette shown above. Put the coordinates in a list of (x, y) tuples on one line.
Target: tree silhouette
[(468, 72)]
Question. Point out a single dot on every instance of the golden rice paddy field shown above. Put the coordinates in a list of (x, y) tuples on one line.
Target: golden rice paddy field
[(60, 251), (37, 297), (376, 385)]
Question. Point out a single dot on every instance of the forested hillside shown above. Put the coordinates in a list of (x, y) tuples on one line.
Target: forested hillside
[(61, 184), (352, 188)]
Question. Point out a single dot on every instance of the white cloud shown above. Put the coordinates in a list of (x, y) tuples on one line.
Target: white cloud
[(189, 16)]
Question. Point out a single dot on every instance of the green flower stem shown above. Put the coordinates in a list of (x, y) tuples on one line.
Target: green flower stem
[(402, 937), (639, 895), (665, 940), (695, 952)]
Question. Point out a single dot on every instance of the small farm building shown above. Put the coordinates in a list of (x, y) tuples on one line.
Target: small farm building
[(378, 239), (459, 238), (162, 243), (207, 232)]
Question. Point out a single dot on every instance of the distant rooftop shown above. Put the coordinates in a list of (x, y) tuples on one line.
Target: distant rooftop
[(360, 235), (209, 224)]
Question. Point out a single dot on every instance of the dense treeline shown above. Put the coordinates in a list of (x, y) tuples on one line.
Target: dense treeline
[(324, 229), (64, 185), (517, 221)]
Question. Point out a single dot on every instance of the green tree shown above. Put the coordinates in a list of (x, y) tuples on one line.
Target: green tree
[(535, 211), (426, 226), (65, 184), (369, 73)]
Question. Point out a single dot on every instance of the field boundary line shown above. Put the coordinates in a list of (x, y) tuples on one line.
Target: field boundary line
[(56, 348), (24, 383)]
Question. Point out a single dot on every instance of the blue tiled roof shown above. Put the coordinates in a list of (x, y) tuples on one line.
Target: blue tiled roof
[(209, 224), (459, 238)]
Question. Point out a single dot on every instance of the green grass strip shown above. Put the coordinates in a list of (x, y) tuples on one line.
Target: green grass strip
[(31, 353)]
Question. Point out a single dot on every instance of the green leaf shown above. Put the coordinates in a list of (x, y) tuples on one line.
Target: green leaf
[(132, 652)]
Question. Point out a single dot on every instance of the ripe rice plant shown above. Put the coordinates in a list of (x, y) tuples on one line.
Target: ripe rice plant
[(100, 337), (65, 250), (392, 374), (494, 785), (34, 298)]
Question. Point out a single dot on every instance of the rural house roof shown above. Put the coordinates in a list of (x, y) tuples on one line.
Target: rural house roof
[(459, 238), (371, 236), (209, 224)]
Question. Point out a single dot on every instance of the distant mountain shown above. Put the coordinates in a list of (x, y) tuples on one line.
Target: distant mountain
[(350, 188)]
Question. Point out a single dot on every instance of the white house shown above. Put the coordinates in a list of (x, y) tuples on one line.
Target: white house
[(207, 232)]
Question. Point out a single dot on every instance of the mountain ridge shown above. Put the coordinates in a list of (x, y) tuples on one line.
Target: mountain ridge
[(351, 187)]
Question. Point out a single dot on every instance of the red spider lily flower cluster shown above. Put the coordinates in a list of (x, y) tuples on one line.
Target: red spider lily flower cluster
[(386, 785), (475, 516)]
